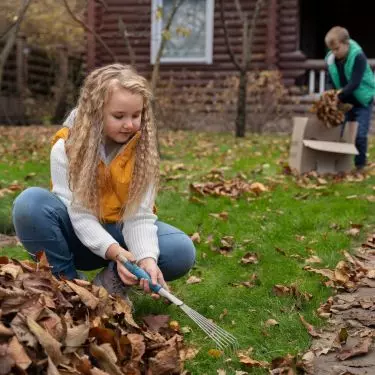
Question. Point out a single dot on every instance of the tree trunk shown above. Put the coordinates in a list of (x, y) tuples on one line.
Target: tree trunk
[(11, 39), (61, 84), (241, 105)]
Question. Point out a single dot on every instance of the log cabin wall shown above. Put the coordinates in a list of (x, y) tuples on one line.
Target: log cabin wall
[(291, 61), (137, 16)]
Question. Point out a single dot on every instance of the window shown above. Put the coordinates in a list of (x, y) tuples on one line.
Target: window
[(191, 33)]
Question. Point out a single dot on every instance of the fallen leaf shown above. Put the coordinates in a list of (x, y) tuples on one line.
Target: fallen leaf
[(249, 362), (193, 280), (215, 353), (6, 361), (222, 215), (50, 345), (250, 257), (309, 327), (165, 362), (271, 322), (361, 348), (313, 259), (188, 353), (18, 353), (174, 325), (76, 336), (86, 297), (156, 322), (195, 237), (104, 359), (258, 188), (353, 232), (138, 346)]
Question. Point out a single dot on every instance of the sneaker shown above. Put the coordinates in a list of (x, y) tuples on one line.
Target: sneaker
[(109, 279)]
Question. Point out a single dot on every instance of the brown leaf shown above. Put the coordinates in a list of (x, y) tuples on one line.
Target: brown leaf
[(215, 353), (52, 369), (195, 237), (17, 352), (10, 269), (361, 348), (86, 297), (6, 361), (188, 353), (249, 362), (22, 331), (271, 322), (222, 215), (104, 359), (258, 188), (165, 362), (193, 280), (138, 346), (314, 259), (353, 232), (309, 327), (250, 257), (5, 331), (76, 336), (50, 345), (103, 335), (122, 307), (155, 322)]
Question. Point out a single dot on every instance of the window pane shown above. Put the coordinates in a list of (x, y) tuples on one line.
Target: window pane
[(191, 17)]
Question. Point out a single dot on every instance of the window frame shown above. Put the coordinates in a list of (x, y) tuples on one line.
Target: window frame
[(157, 27)]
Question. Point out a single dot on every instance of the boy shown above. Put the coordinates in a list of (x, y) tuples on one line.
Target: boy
[(350, 73)]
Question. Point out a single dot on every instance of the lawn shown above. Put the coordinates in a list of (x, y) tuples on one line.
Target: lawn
[(284, 226)]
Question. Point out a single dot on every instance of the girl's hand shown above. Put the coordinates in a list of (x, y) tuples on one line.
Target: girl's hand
[(150, 266), (126, 277)]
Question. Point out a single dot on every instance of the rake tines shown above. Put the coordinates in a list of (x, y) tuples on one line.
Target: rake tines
[(223, 339)]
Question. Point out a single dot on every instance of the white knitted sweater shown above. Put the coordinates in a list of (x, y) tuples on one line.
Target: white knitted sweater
[(139, 230)]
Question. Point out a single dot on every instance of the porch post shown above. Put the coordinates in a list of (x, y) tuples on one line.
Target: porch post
[(271, 48), (90, 37)]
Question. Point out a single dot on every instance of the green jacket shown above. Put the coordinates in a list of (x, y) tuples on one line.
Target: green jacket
[(366, 90)]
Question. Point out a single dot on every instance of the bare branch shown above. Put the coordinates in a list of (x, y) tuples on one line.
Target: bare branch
[(155, 71), (124, 33), (103, 4), (226, 36), (87, 28), (251, 30), (239, 10), (12, 35), (19, 18)]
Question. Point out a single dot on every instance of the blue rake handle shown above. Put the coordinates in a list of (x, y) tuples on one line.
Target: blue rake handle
[(139, 272)]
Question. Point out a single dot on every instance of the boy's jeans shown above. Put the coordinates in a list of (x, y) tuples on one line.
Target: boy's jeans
[(363, 116), (42, 222)]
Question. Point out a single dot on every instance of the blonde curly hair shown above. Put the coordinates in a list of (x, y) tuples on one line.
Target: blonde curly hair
[(86, 134)]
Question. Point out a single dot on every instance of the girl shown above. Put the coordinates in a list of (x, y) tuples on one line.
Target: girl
[(104, 174)]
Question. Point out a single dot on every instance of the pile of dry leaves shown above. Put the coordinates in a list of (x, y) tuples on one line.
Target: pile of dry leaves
[(329, 109), (217, 185), (73, 327)]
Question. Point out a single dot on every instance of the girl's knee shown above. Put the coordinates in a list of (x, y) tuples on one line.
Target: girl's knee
[(28, 199), (30, 206), (177, 255)]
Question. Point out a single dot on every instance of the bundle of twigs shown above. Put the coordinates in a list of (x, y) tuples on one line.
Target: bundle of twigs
[(329, 109)]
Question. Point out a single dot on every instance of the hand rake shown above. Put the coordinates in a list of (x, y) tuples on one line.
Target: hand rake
[(223, 339)]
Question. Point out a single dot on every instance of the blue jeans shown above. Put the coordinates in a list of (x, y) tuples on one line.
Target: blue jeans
[(363, 116), (42, 222)]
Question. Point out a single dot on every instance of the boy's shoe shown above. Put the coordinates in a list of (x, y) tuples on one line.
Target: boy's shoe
[(109, 279)]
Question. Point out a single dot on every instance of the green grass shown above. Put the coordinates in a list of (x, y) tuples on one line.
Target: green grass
[(260, 224)]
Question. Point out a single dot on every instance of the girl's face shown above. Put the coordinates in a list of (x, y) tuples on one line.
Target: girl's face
[(122, 115)]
